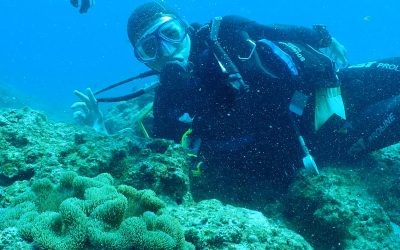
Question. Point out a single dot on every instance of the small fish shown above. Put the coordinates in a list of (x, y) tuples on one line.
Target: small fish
[(185, 118), (367, 18)]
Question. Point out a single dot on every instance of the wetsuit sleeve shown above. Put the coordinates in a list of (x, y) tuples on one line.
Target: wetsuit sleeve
[(318, 36), (171, 101)]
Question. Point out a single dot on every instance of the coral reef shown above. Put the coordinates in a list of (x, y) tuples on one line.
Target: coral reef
[(63, 186), (32, 146), (16, 157), (334, 211), (383, 179), (211, 225), (91, 213), (11, 240), (125, 115)]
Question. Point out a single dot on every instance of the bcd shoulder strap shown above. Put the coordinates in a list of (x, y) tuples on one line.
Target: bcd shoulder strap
[(235, 79)]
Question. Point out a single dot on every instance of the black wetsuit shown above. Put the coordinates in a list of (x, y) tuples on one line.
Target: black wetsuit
[(371, 95), (253, 131)]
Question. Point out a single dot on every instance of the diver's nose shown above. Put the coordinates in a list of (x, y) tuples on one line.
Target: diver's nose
[(179, 58), (167, 49)]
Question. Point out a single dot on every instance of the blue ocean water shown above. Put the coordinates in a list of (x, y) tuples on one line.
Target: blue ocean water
[(48, 49)]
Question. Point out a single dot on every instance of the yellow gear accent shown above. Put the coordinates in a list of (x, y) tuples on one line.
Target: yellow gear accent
[(184, 139), (192, 155), (142, 114), (197, 172)]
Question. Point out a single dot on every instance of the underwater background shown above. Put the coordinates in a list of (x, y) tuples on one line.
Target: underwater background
[(48, 49), (63, 186)]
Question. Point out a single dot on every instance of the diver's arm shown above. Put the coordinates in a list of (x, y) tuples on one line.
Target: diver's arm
[(318, 36), (169, 102), (166, 114)]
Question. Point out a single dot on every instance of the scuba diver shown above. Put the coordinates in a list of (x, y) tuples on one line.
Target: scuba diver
[(257, 98)]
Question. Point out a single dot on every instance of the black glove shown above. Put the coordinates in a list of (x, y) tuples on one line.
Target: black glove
[(325, 37), (237, 84)]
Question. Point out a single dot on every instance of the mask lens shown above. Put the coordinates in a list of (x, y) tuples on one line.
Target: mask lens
[(173, 31), (169, 33), (146, 49)]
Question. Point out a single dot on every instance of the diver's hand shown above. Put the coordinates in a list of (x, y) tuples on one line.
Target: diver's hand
[(338, 53), (89, 112), (83, 5)]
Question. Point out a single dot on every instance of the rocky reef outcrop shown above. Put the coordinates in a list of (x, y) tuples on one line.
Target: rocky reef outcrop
[(66, 186)]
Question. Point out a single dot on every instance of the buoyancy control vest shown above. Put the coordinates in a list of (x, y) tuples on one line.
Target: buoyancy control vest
[(286, 68), (290, 71)]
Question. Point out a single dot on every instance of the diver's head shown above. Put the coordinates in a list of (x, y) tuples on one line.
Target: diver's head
[(158, 35)]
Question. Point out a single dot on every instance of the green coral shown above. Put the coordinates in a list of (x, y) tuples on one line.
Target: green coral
[(140, 201), (171, 227), (91, 213), (50, 196), (159, 241), (130, 233), (9, 217), (81, 184), (65, 230)]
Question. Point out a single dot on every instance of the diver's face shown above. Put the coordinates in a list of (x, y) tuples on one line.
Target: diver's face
[(166, 40), (179, 52)]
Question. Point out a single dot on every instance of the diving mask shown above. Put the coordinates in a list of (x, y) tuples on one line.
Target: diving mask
[(163, 39)]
